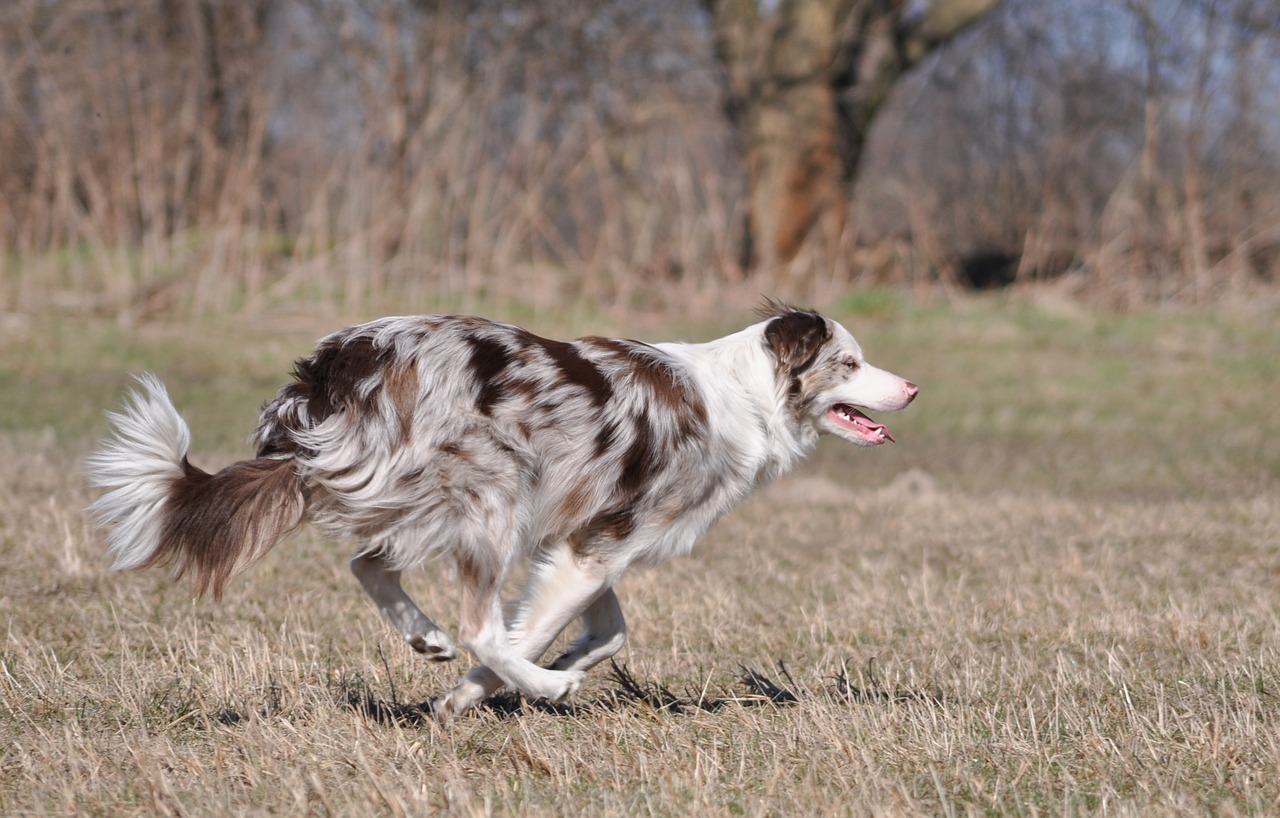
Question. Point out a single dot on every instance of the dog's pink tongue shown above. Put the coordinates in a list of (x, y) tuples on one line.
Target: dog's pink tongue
[(871, 427)]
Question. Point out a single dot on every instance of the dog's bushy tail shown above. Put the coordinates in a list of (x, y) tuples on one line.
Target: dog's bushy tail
[(159, 509)]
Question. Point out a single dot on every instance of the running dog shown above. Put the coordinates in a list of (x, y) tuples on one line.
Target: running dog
[(483, 444)]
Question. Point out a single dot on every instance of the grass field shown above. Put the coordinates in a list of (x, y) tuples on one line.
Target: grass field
[(1059, 593)]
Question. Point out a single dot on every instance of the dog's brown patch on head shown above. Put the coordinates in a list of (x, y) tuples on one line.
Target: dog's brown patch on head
[(796, 337)]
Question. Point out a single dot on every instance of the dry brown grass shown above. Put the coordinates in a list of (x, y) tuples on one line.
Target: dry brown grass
[(1065, 606)]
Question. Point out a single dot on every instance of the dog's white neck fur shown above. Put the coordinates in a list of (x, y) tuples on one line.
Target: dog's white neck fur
[(737, 377)]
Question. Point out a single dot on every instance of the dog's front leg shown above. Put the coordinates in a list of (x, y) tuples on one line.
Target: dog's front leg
[(383, 586), (604, 632), (483, 632), (561, 587)]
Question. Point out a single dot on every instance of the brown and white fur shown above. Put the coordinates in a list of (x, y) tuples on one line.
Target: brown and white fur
[(482, 444)]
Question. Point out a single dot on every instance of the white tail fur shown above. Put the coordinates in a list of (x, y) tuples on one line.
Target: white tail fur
[(158, 508), (137, 466)]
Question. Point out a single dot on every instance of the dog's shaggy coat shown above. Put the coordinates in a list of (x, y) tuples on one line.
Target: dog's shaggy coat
[(479, 442)]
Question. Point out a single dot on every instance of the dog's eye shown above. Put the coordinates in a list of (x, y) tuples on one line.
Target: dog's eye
[(851, 364)]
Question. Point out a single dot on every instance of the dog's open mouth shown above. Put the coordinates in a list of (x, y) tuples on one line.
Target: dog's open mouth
[(864, 427)]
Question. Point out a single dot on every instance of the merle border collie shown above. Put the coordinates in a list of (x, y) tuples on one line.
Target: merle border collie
[(483, 444)]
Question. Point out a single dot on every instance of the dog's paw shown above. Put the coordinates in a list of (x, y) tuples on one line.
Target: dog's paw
[(555, 685), (435, 645), (572, 685), (465, 695)]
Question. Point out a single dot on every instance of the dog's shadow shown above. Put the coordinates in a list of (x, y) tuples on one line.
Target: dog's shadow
[(630, 693)]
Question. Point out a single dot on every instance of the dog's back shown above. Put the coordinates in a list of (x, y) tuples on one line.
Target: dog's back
[(424, 434)]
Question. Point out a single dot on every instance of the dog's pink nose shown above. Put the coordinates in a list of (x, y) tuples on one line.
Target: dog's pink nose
[(911, 389)]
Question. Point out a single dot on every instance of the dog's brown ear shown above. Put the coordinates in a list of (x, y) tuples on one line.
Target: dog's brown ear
[(795, 338)]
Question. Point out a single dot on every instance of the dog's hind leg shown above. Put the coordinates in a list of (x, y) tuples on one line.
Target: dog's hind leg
[(382, 584), (561, 588), (604, 632)]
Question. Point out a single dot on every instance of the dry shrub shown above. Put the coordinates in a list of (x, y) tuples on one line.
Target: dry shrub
[(201, 156)]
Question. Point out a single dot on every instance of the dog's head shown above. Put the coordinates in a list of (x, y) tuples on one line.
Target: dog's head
[(825, 378)]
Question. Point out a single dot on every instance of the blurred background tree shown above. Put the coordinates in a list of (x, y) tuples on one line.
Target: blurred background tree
[(804, 78), (191, 156)]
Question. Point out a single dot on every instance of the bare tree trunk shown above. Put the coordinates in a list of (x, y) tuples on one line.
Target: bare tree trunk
[(804, 81)]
